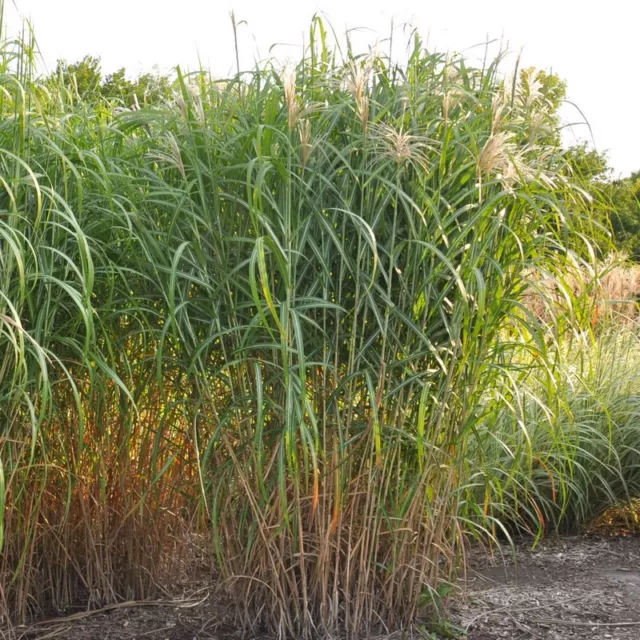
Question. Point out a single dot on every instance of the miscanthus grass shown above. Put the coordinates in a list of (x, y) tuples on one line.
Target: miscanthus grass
[(286, 312)]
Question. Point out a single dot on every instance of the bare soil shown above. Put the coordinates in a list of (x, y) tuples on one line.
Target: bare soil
[(583, 588)]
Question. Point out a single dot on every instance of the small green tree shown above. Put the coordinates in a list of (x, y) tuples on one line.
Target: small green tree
[(624, 196), (588, 163), (116, 85), (85, 76), (148, 88), (616, 201), (86, 80), (152, 87)]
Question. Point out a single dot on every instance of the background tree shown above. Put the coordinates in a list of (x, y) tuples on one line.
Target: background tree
[(624, 196), (616, 201), (86, 80), (84, 76), (147, 88)]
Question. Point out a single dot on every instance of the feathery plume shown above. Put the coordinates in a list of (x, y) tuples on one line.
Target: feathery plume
[(288, 77), (357, 83), (453, 92), (402, 146)]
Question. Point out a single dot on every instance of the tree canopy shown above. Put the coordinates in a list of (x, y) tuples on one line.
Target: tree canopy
[(86, 79), (616, 200)]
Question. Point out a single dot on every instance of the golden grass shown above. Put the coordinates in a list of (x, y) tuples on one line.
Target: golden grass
[(610, 292)]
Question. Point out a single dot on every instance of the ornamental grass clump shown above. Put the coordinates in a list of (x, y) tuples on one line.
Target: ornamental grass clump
[(274, 311)]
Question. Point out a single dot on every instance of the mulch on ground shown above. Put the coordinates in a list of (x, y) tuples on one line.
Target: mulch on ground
[(566, 588), (585, 588)]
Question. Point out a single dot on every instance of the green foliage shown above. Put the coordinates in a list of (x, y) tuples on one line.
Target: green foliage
[(148, 88), (616, 202), (85, 79), (573, 459), (84, 76), (624, 196), (541, 89), (587, 163), (549, 86)]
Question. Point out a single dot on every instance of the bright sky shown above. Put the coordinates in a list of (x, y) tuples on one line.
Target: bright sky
[(593, 45)]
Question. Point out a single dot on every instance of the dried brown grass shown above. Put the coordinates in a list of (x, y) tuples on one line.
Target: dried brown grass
[(608, 291)]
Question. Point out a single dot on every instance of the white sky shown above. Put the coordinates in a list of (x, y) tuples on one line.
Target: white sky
[(593, 45)]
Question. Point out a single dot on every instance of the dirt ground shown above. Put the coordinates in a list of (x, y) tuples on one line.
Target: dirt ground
[(583, 588), (570, 588)]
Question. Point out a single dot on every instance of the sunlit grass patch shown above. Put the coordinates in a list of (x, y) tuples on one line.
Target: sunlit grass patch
[(620, 520)]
